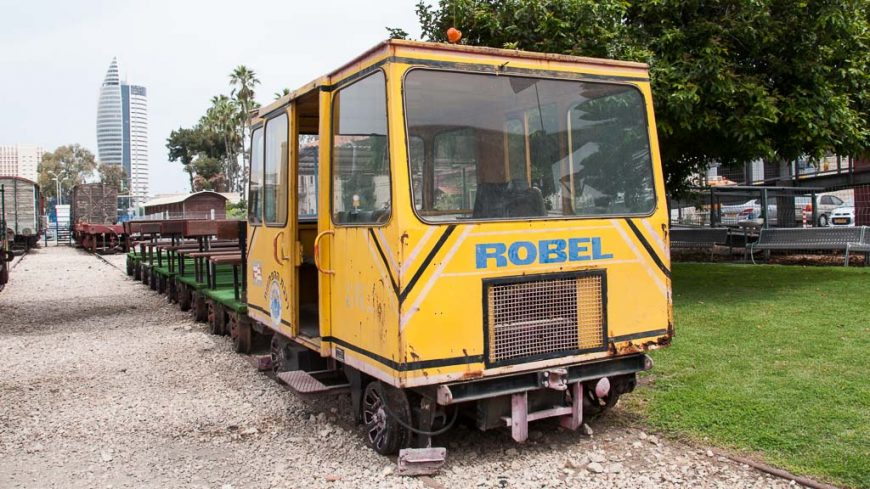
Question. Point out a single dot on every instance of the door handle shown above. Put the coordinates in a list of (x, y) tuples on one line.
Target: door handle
[(317, 252), (278, 248)]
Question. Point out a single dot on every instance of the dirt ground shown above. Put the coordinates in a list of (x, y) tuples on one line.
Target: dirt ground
[(106, 385)]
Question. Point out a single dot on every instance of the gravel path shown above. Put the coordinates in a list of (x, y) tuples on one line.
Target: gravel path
[(106, 385)]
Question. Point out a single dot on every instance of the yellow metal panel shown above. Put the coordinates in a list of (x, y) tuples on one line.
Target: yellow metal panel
[(406, 302)]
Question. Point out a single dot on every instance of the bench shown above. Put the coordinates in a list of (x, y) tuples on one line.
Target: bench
[(812, 239), (698, 238), (862, 246)]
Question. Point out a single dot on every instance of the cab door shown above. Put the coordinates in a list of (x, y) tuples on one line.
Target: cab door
[(360, 279), (272, 237)]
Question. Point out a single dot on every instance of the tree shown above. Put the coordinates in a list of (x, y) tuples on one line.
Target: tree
[(209, 174), (190, 145), (397, 33), (222, 119), (732, 81), (243, 81), (113, 175), (72, 163), (183, 146), (283, 93)]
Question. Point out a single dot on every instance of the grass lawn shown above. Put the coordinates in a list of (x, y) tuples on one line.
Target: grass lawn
[(771, 361)]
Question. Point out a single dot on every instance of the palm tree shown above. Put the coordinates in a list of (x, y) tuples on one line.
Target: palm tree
[(243, 80), (282, 93), (222, 119)]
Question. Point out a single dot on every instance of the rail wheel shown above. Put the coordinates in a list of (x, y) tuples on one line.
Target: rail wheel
[(137, 271), (594, 405), (183, 294), (279, 354), (129, 267), (161, 284), (383, 407), (216, 318), (172, 291), (200, 309), (241, 333), (152, 280)]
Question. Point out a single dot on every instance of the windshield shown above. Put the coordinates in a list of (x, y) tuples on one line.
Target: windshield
[(499, 147)]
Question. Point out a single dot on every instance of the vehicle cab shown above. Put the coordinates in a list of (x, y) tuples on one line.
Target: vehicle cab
[(457, 229)]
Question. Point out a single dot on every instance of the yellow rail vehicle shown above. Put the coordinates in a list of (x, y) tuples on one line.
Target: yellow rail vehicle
[(444, 229)]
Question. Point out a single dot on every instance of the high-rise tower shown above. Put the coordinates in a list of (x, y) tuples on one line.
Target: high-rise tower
[(122, 130)]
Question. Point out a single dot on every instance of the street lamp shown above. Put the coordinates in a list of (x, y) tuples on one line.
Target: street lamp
[(57, 181)]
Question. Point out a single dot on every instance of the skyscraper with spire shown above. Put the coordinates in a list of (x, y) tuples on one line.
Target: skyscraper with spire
[(122, 130)]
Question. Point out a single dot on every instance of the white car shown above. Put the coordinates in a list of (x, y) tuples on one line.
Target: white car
[(843, 216), (733, 214), (827, 204)]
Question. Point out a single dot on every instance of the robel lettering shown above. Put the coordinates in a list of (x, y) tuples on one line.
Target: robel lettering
[(545, 251)]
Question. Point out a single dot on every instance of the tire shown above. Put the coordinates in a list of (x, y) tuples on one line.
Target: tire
[(380, 406), (823, 221)]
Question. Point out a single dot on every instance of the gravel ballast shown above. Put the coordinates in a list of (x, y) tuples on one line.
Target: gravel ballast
[(104, 384)]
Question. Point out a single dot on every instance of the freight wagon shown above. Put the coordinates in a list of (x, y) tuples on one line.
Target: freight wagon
[(94, 212), (22, 207), (94, 203)]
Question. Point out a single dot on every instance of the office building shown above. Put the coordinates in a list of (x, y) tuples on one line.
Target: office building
[(122, 130)]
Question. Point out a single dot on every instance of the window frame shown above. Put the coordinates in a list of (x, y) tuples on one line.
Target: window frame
[(285, 176), (260, 222), (569, 77), (348, 82)]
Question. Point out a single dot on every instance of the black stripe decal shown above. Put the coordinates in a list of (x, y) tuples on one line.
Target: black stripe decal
[(649, 249), (401, 367), (256, 308), (637, 336), (404, 367), (251, 242), (426, 262), (384, 259)]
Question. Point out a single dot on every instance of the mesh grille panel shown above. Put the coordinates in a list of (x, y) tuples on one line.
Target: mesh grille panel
[(545, 316)]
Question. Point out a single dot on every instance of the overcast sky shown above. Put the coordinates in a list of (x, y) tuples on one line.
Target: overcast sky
[(54, 56)]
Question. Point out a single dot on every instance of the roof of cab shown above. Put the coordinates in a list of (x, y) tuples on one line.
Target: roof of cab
[(392, 46)]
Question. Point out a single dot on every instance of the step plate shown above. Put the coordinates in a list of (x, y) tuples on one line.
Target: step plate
[(304, 384)]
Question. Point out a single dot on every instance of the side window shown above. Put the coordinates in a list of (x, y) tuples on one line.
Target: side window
[(275, 175), (360, 153), (307, 185), (255, 179)]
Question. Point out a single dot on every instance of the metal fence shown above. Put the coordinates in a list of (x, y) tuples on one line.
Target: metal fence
[(167, 216), (740, 206)]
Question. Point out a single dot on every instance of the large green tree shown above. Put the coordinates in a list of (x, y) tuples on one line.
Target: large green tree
[(733, 80), (72, 164), (190, 145)]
